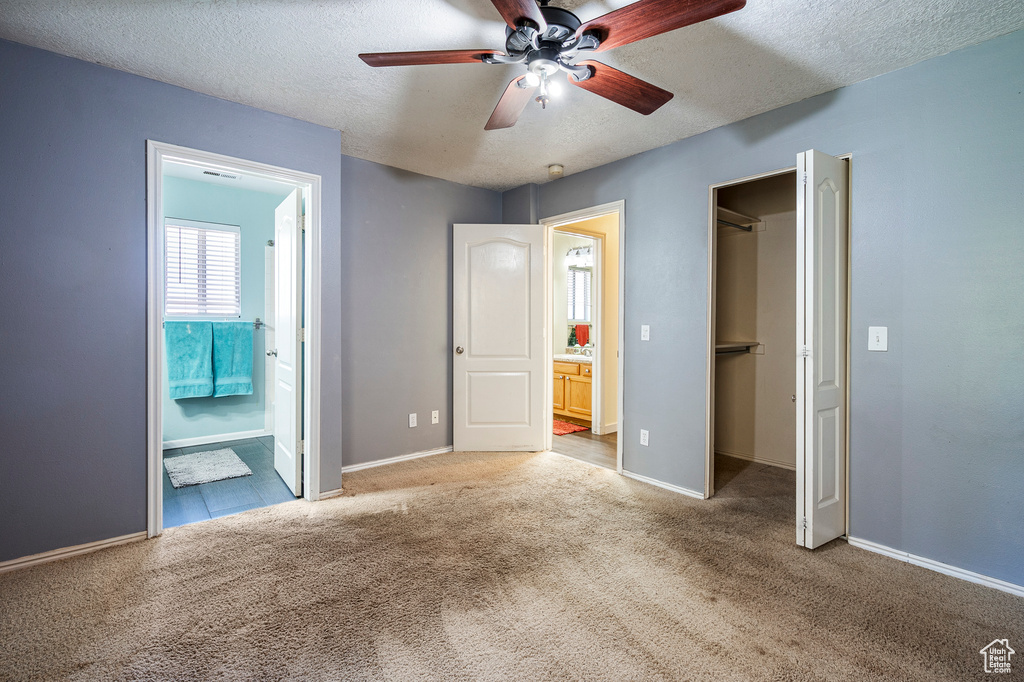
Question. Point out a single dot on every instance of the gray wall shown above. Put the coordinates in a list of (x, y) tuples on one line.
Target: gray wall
[(397, 305), (519, 205), (936, 423), (73, 283)]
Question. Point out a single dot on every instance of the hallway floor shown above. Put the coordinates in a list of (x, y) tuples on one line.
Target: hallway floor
[(221, 498), (588, 447)]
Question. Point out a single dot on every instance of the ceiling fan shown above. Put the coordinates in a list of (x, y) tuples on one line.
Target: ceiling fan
[(550, 39)]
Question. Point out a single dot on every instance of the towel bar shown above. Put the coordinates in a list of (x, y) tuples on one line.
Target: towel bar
[(256, 324)]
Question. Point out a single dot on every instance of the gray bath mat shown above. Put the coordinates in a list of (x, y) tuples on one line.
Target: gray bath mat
[(205, 467)]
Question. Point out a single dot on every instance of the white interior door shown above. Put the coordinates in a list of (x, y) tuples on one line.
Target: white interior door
[(822, 228), (499, 354), (287, 327)]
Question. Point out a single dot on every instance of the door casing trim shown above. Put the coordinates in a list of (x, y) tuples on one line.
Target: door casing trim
[(564, 220), (157, 154)]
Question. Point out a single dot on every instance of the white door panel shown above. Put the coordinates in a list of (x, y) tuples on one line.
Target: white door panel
[(498, 316), (822, 229), (288, 364)]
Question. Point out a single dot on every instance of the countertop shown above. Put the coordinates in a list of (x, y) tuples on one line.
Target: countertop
[(567, 357)]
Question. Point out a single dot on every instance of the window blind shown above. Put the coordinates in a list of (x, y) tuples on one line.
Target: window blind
[(203, 273), (579, 293)]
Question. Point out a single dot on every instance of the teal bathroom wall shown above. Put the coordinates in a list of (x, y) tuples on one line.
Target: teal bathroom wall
[(253, 212)]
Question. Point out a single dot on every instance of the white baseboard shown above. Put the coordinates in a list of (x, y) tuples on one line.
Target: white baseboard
[(606, 429), (391, 460), (220, 438), (755, 459), (939, 567), (65, 552), (661, 484)]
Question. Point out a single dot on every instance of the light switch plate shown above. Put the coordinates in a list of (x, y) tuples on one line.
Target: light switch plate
[(435, 417), (645, 332), (878, 338)]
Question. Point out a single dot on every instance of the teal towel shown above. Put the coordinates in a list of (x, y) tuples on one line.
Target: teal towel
[(232, 358), (189, 359)]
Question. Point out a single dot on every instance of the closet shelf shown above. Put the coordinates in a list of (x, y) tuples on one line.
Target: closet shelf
[(734, 219), (734, 347)]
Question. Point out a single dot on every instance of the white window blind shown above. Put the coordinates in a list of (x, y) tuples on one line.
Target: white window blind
[(202, 273), (579, 294)]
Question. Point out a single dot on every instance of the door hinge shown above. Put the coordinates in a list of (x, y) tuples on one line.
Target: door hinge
[(805, 352), (302, 449), (302, 222), (805, 178), (302, 335), (803, 523)]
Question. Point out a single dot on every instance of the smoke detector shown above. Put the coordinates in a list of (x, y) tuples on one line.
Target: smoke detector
[(555, 171)]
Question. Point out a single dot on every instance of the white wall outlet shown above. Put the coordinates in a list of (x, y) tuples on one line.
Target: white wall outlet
[(435, 417), (878, 338), (645, 437), (412, 420), (645, 332)]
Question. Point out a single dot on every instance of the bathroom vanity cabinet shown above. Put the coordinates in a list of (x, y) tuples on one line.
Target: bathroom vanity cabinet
[(572, 389)]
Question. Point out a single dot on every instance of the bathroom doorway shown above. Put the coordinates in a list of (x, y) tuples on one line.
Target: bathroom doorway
[(234, 290), (584, 261)]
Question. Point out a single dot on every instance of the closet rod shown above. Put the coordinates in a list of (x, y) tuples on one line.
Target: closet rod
[(745, 228)]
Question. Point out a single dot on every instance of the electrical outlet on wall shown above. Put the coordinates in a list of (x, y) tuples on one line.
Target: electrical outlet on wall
[(412, 420), (645, 332), (435, 417), (645, 437)]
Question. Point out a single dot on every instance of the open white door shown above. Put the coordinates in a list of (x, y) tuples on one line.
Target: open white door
[(499, 351), (822, 227), (287, 327)]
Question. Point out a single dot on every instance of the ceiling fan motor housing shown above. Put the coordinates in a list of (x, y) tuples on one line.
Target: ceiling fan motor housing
[(547, 51)]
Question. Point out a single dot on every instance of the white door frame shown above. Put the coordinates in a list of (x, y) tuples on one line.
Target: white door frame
[(709, 389), (564, 220), (157, 154)]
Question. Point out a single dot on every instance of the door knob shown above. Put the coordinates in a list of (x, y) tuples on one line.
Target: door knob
[(793, 398), (272, 352), (460, 350)]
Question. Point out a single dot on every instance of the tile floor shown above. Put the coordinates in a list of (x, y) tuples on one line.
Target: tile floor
[(221, 498)]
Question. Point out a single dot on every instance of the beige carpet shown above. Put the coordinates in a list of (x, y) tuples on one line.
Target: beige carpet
[(500, 566)]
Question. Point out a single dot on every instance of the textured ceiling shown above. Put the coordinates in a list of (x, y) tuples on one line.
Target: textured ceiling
[(299, 58)]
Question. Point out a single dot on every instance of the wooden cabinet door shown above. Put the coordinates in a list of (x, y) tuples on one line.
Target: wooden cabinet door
[(579, 396), (559, 393)]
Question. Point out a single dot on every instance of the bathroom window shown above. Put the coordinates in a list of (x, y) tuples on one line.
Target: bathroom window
[(579, 294), (202, 269)]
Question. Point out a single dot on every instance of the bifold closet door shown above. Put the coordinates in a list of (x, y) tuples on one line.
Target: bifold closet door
[(822, 237)]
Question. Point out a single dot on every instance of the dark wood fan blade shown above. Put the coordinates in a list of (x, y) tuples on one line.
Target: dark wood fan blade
[(510, 106), (515, 11), (647, 18), (621, 88), (422, 58)]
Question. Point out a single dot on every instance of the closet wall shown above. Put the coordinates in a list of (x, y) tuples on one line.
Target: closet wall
[(755, 415)]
